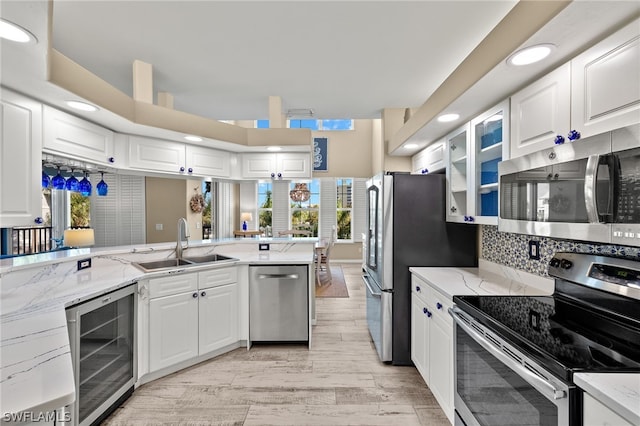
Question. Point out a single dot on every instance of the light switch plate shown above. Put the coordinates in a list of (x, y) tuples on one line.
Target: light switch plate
[(263, 246)]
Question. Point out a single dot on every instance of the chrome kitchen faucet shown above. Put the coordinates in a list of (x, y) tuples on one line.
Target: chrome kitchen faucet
[(182, 223)]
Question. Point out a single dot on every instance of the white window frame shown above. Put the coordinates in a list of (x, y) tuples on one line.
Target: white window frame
[(349, 209), (292, 209)]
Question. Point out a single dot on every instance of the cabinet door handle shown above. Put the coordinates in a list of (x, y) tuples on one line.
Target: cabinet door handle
[(428, 313), (417, 288), (439, 305), (203, 294), (195, 295), (39, 220), (190, 170), (573, 135), (559, 140), (181, 169), (111, 160), (424, 310)]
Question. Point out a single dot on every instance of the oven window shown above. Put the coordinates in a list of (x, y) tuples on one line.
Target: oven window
[(495, 394)]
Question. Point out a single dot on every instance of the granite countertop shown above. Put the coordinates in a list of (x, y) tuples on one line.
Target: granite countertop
[(618, 391), (36, 371), (488, 279)]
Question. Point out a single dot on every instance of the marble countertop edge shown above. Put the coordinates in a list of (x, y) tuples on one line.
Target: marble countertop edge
[(618, 391)]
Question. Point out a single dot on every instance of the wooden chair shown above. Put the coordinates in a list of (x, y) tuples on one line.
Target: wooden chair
[(323, 257)]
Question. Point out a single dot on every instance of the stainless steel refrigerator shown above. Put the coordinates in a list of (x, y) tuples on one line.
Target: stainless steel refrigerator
[(406, 227)]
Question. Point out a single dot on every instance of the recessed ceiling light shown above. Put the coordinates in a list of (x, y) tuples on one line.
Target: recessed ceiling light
[(530, 55), (411, 146), (445, 118), (192, 138), (274, 148), (13, 32), (82, 106)]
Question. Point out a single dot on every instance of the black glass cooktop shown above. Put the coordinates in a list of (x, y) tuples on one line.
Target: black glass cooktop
[(590, 323)]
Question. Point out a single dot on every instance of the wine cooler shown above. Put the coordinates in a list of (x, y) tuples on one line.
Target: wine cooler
[(103, 349)]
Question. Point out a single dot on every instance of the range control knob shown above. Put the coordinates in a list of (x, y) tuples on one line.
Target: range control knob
[(554, 262), (566, 264)]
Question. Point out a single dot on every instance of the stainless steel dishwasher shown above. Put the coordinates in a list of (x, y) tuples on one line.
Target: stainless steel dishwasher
[(278, 303)]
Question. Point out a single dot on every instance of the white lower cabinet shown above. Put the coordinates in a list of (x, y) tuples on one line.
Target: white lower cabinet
[(218, 317), (173, 329), (432, 341), (595, 413), (190, 314)]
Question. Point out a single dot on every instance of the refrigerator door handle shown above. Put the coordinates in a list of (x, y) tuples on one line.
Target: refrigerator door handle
[(365, 278)]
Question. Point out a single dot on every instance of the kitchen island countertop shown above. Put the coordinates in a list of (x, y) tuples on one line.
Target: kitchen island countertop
[(36, 372), (618, 391)]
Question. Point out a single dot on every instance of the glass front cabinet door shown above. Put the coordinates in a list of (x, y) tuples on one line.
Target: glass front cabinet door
[(473, 174), (458, 174)]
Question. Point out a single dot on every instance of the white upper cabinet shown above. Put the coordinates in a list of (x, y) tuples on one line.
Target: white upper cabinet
[(203, 161), (474, 151), (156, 155), (431, 159), (606, 83), (596, 92), (283, 165), (20, 160), (177, 158), (541, 111), (70, 136)]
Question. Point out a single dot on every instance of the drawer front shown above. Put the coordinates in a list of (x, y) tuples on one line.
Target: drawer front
[(440, 305), (217, 277), (420, 289), (174, 284)]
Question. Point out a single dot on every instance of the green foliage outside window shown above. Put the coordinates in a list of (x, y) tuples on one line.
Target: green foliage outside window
[(80, 210)]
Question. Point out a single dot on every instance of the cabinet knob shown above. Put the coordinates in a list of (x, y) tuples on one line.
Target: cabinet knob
[(429, 313), (453, 147), (273, 175), (425, 171), (424, 310), (279, 175), (573, 135), (111, 160), (417, 288), (203, 294), (39, 220), (195, 295), (190, 170), (559, 140), (453, 209), (439, 305), (181, 169)]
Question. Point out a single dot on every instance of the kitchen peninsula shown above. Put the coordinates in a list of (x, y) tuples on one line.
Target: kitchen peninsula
[(36, 369)]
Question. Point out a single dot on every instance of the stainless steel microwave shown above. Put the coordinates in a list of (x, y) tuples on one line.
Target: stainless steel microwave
[(588, 189)]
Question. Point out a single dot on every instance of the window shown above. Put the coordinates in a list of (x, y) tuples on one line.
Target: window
[(207, 223), (304, 214), (262, 124), (321, 124), (80, 208), (265, 207), (344, 206)]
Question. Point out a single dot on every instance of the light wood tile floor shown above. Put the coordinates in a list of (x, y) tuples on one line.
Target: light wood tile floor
[(338, 381)]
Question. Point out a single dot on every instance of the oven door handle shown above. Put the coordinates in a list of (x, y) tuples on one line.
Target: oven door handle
[(505, 359)]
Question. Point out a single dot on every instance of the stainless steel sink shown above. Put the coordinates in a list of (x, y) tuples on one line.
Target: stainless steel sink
[(207, 258), (162, 264)]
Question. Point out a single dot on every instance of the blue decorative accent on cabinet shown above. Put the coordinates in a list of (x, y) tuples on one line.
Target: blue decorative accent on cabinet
[(559, 140), (573, 135)]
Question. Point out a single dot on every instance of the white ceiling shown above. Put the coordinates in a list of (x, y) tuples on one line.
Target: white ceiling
[(347, 59), (222, 60)]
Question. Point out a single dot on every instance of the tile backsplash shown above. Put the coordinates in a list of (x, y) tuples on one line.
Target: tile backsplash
[(513, 249)]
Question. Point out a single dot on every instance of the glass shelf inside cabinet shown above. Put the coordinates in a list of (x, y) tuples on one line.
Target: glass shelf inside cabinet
[(488, 142)]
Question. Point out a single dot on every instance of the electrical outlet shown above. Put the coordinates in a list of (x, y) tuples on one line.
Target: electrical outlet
[(159, 227), (534, 319), (534, 249), (84, 264)]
